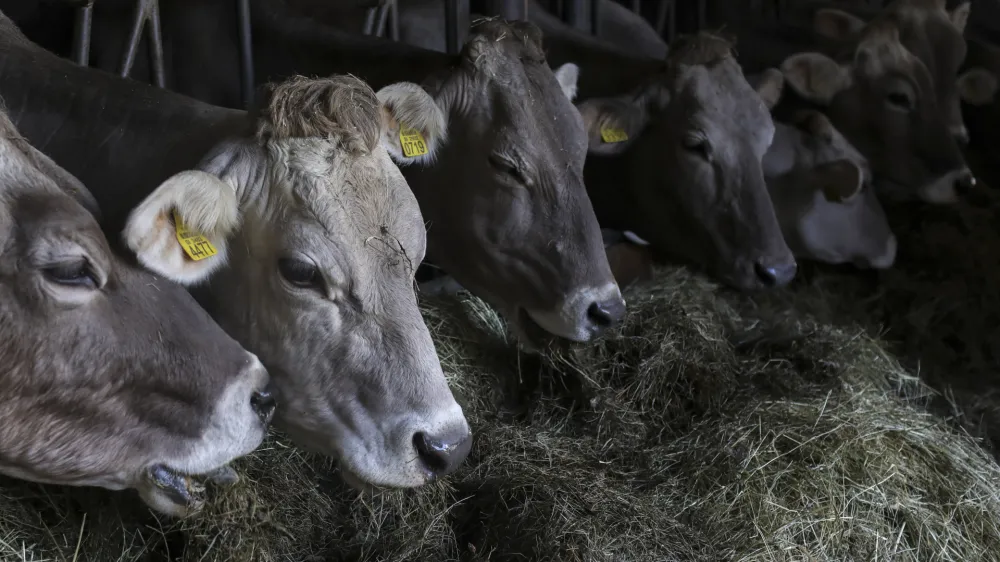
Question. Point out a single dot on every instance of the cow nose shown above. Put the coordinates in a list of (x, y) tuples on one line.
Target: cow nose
[(607, 313), (964, 183), (263, 403), (961, 135), (442, 454), (775, 274)]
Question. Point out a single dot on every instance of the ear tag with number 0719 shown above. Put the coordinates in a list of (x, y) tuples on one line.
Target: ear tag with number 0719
[(195, 245), (412, 141)]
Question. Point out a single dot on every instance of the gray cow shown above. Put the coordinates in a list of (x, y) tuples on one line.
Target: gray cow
[(109, 375), (820, 186), (678, 162), (892, 90), (315, 231)]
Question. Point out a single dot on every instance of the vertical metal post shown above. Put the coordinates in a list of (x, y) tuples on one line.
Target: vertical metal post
[(81, 34), (369, 26), (155, 36), (637, 6), (575, 14), (246, 52), (701, 14), (394, 20), (509, 9), (451, 26), (135, 35)]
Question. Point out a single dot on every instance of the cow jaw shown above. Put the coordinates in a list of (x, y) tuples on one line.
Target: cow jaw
[(174, 493)]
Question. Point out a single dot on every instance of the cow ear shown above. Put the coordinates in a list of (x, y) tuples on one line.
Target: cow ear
[(180, 231), (414, 125), (836, 24), (839, 180), (769, 85), (567, 76), (977, 86), (960, 15), (613, 123), (815, 76)]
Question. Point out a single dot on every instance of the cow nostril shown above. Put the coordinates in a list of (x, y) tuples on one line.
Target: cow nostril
[(775, 275), (606, 314), (263, 404), (965, 183), (440, 457)]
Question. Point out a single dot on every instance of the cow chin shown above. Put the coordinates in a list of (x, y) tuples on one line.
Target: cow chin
[(177, 494)]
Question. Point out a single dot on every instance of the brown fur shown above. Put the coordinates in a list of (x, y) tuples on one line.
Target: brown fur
[(494, 37), (339, 107), (704, 49)]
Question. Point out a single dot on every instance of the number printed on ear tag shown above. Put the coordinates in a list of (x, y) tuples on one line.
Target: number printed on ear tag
[(413, 142), (613, 134), (195, 245)]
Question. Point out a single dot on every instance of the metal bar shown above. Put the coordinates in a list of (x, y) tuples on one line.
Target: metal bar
[(637, 6), (383, 16), (394, 20), (573, 12), (451, 26), (661, 17), (156, 45), (135, 35), (369, 26), (81, 34), (701, 14), (246, 52), (510, 9)]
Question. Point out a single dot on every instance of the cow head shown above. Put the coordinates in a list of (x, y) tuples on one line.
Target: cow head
[(692, 142), (896, 96), (109, 376), (317, 238), (508, 215), (820, 187)]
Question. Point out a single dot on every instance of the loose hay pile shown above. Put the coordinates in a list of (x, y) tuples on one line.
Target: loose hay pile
[(710, 427)]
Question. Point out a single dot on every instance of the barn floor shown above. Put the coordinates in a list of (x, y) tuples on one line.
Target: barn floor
[(712, 426)]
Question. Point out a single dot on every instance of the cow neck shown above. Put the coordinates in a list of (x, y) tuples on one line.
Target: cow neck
[(287, 44)]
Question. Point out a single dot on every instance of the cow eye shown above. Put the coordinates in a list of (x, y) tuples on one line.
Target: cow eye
[(697, 145), (72, 274), (508, 168), (299, 272), (900, 100)]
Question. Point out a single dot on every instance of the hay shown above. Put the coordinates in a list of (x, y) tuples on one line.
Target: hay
[(709, 427)]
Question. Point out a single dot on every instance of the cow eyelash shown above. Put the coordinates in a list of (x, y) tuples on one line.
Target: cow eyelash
[(77, 274), (507, 167), (300, 273)]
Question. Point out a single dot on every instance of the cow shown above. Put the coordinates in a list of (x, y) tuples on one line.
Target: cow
[(302, 239), (892, 91), (820, 186), (110, 376), (677, 161)]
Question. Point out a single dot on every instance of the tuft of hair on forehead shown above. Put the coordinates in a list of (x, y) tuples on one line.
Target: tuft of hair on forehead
[(340, 108), (701, 49), (493, 38)]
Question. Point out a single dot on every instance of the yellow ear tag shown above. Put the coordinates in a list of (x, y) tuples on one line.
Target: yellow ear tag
[(412, 141), (195, 245), (613, 134)]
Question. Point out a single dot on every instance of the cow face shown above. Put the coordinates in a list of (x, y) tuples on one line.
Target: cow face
[(692, 142), (820, 187), (508, 214), (109, 376), (317, 238), (896, 98)]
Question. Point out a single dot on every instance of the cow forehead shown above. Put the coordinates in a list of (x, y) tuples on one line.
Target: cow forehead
[(721, 95), (541, 117), (347, 197)]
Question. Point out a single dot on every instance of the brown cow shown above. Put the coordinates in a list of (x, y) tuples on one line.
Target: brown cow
[(109, 375)]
